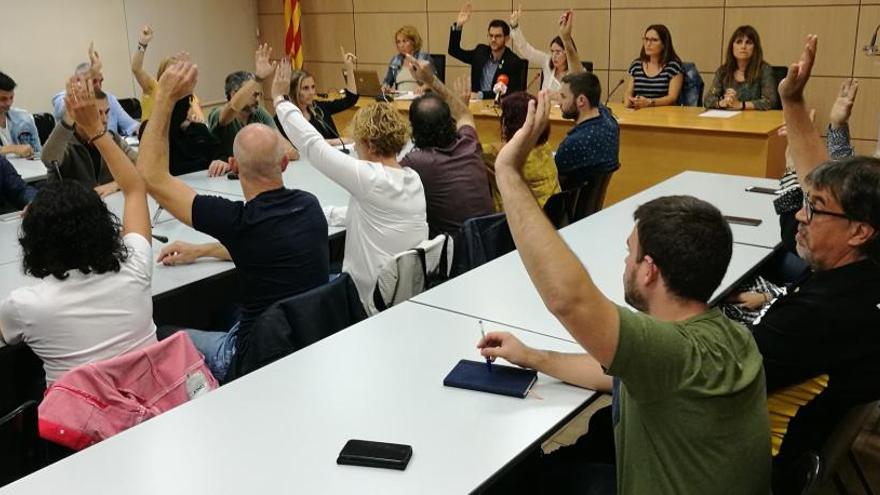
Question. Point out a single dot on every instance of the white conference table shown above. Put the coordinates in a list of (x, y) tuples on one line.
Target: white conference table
[(728, 193), (280, 429), (29, 169), (501, 291)]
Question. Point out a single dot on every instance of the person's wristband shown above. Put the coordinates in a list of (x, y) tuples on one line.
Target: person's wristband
[(67, 126), (278, 99), (98, 136), (142, 46), (514, 26)]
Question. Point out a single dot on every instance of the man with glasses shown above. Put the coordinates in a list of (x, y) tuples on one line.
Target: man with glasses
[(488, 62), (118, 120), (828, 323)]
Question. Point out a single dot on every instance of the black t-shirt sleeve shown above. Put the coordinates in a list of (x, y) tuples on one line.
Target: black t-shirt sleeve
[(216, 216), (339, 105)]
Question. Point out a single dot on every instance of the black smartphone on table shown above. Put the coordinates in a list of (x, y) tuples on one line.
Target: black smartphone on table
[(375, 454), (762, 190)]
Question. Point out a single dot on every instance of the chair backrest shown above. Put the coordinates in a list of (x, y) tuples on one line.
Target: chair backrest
[(779, 73), (692, 89), (840, 441), (559, 208), (412, 272), (438, 60), (20, 454), (45, 123), (297, 322), (482, 239), (590, 196), (132, 107)]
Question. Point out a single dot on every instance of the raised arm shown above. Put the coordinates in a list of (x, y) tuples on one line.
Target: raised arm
[(170, 192), (457, 105), (807, 149), (837, 137), (562, 281), (521, 46), (80, 101), (566, 22), (348, 60), (263, 69), (144, 79), (454, 49), (348, 172)]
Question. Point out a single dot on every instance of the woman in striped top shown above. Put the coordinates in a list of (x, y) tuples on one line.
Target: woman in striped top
[(656, 76)]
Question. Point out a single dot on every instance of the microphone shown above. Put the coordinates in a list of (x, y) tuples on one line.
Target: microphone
[(534, 80), (57, 169), (335, 135), (500, 87), (872, 49), (619, 83)]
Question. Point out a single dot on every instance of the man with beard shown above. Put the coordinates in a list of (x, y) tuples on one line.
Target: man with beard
[(591, 146), (689, 403), (243, 92)]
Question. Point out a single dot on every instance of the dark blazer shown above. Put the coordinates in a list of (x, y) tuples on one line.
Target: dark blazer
[(515, 67)]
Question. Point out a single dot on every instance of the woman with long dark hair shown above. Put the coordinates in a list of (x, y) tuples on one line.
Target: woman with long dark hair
[(745, 81), (561, 60), (656, 76)]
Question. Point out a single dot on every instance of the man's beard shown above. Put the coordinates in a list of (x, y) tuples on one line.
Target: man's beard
[(632, 296)]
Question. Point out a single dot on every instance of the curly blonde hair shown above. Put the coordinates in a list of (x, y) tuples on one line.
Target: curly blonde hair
[(382, 128), (412, 34)]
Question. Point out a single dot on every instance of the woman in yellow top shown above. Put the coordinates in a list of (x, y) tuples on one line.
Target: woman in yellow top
[(540, 169), (148, 84)]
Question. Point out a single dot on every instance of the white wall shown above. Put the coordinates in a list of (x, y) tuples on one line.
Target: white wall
[(44, 40)]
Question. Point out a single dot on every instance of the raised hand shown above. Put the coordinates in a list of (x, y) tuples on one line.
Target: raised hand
[(421, 69), (79, 101), (464, 14), (281, 82), (514, 17), (513, 155), (262, 66), (95, 64), (179, 78), (566, 21), (146, 35), (348, 59), (462, 87), (842, 108), (791, 89)]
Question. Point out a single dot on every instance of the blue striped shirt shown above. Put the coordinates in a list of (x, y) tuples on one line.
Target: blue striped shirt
[(652, 87)]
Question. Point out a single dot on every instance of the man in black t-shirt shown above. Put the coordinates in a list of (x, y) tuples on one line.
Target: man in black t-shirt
[(277, 237), (829, 322)]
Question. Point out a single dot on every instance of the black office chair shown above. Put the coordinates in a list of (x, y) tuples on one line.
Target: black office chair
[(559, 208), (481, 240), (779, 73), (801, 478), (589, 193), (45, 123), (298, 322), (132, 107), (439, 62), (22, 452)]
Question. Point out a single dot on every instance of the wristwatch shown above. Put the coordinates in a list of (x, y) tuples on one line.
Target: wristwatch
[(278, 99)]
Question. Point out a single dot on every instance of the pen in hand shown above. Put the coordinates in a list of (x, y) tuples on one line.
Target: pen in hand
[(488, 360)]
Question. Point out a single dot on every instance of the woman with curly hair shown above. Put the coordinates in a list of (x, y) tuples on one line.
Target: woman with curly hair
[(93, 301), (745, 81), (540, 169), (386, 213)]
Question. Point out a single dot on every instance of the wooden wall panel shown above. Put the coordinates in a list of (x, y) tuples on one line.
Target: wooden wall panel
[(783, 41), (374, 34), (272, 31), (319, 44), (326, 6), (456, 5), (648, 4), (270, 6), (864, 120), (390, 5), (686, 26), (789, 3), (590, 33), (328, 76), (865, 66)]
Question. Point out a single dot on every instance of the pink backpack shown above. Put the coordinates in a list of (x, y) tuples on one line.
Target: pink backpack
[(98, 400)]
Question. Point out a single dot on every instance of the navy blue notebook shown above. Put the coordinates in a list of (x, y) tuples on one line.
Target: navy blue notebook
[(502, 380)]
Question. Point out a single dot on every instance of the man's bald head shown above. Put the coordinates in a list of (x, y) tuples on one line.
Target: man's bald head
[(258, 151)]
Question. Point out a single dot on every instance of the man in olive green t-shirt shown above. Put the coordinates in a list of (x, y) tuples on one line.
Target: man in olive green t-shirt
[(689, 404), (243, 92)]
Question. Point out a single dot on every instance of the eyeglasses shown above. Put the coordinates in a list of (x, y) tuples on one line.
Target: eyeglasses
[(651, 40), (813, 211)]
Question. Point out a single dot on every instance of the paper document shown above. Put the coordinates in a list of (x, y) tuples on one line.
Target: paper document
[(408, 96), (719, 114)]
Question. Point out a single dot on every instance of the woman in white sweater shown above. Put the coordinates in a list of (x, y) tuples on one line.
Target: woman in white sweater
[(386, 212), (561, 60)]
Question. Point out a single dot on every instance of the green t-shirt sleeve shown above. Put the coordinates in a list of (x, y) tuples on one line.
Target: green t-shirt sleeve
[(263, 117), (652, 358), (214, 118)]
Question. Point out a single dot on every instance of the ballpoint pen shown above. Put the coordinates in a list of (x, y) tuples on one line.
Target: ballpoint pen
[(488, 360)]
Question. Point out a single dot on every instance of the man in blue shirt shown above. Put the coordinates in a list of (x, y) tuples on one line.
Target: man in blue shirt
[(118, 120), (18, 131), (592, 145)]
